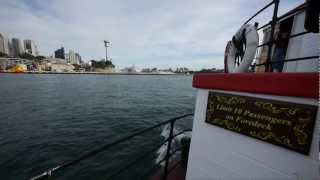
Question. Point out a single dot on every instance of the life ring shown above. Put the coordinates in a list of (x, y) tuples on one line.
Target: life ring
[(239, 52)]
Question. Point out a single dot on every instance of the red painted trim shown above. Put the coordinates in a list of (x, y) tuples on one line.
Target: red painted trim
[(283, 84)]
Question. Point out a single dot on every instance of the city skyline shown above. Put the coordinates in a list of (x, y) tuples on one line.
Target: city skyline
[(15, 47), (163, 35)]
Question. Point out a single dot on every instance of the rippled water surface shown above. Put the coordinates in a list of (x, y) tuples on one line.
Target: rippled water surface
[(48, 119)]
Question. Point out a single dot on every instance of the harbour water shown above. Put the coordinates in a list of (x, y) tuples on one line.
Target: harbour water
[(48, 119)]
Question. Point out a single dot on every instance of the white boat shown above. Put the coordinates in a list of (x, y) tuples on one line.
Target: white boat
[(262, 124)]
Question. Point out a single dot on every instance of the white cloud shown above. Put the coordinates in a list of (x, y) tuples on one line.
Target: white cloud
[(145, 33)]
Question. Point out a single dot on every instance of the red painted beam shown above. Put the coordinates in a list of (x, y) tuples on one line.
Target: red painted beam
[(283, 84)]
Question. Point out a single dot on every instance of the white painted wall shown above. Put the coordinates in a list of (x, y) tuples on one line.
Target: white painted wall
[(302, 46), (216, 153)]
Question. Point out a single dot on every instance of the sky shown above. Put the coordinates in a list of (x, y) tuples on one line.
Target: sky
[(144, 33)]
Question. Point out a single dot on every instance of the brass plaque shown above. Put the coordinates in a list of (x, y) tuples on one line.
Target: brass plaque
[(285, 124)]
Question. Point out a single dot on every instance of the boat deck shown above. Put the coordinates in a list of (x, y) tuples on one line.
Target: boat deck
[(177, 172)]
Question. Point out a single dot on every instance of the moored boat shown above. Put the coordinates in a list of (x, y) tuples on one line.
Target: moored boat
[(18, 68)]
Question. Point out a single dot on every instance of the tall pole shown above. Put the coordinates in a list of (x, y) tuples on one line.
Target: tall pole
[(106, 45), (272, 39)]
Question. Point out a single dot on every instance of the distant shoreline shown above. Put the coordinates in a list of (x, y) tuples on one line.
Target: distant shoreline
[(90, 73)]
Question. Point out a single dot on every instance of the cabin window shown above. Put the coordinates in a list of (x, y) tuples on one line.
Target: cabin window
[(280, 47), (262, 53)]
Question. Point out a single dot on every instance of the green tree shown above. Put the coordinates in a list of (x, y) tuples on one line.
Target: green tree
[(3, 54), (101, 64), (40, 58), (27, 56)]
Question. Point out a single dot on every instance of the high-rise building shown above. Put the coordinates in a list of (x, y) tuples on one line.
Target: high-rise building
[(1, 43), (67, 57), (72, 57), (10, 49), (30, 47), (36, 50), (17, 47), (59, 53), (4, 44), (78, 58)]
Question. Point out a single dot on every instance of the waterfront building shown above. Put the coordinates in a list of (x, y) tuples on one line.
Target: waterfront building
[(55, 60), (61, 67), (131, 69), (59, 53), (78, 59), (66, 55), (30, 47), (36, 50), (17, 47), (4, 44), (56, 65), (73, 58)]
